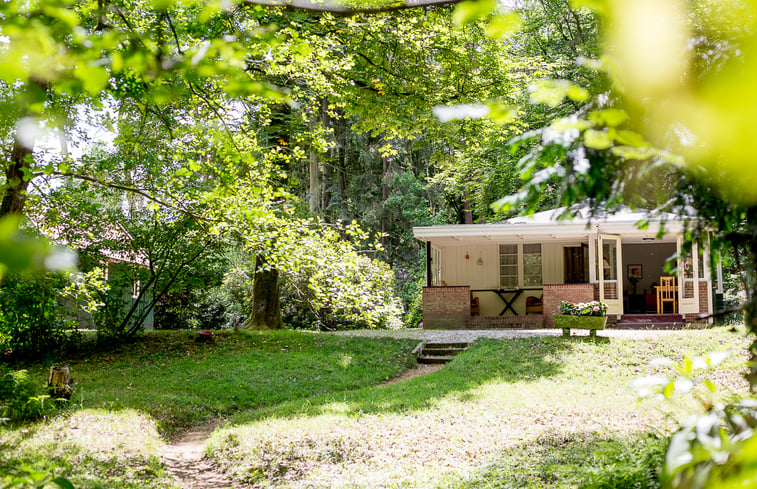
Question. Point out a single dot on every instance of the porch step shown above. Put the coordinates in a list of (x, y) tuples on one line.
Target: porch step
[(651, 321), (651, 318), (440, 352)]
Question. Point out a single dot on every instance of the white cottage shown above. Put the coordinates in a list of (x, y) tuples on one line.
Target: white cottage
[(516, 272)]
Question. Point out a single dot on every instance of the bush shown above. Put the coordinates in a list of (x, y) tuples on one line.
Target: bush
[(21, 398), (33, 318)]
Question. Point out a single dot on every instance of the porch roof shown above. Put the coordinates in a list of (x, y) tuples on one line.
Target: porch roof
[(548, 225)]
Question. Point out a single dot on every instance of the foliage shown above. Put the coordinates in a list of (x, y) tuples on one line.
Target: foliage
[(593, 308), (40, 313), (35, 479), (713, 450), (328, 281), (21, 397)]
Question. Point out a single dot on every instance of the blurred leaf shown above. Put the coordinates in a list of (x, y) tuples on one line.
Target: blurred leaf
[(467, 12), (503, 25)]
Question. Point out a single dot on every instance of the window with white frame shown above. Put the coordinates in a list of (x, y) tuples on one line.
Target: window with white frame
[(520, 265)]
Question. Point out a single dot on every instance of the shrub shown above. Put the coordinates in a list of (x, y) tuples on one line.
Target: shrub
[(40, 312), (21, 398)]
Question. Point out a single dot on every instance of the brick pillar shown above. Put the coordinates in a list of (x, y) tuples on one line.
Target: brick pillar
[(446, 307), (556, 293)]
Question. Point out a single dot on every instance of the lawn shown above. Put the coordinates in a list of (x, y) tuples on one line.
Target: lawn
[(306, 410)]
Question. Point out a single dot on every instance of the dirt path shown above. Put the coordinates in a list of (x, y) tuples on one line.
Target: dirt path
[(184, 458)]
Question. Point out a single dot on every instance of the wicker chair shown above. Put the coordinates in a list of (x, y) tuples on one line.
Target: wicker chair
[(535, 305)]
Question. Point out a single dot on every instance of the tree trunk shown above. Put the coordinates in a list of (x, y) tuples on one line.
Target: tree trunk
[(315, 184), (266, 310), (16, 169), (14, 196)]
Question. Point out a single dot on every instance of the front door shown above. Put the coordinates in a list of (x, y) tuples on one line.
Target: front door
[(610, 272)]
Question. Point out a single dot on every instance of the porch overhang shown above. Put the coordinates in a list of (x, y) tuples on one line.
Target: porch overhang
[(544, 226)]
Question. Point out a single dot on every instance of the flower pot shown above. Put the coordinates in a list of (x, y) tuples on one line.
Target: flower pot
[(592, 323)]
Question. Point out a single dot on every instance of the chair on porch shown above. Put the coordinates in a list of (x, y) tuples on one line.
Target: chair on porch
[(535, 305), (667, 292), (475, 306)]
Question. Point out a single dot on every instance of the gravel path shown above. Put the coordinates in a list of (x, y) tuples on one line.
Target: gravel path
[(469, 335)]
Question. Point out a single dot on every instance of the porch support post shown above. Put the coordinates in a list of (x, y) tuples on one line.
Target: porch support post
[(593, 258), (428, 264)]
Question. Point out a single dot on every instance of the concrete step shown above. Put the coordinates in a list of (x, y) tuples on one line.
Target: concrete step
[(459, 344), (435, 351), (440, 352), (649, 325), (428, 359)]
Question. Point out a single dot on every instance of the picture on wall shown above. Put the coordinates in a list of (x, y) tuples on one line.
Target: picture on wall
[(634, 271)]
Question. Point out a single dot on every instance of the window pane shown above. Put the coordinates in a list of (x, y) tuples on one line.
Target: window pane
[(532, 275), (508, 282), (508, 249), (508, 259)]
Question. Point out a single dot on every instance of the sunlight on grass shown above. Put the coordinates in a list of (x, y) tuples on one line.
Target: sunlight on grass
[(88, 443), (489, 408)]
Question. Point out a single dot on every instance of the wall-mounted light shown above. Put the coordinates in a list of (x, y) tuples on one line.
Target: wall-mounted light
[(480, 262), (467, 256)]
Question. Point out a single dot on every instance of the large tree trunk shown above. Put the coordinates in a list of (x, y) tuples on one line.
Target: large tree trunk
[(19, 165), (266, 310), (14, 195)]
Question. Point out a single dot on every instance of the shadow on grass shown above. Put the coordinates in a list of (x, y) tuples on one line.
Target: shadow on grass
[(584, 460), (510, 361)]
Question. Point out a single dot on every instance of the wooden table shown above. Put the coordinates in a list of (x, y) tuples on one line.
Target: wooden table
[(508, 296)]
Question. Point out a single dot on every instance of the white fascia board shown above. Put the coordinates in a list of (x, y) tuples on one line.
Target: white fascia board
[(561, 230)]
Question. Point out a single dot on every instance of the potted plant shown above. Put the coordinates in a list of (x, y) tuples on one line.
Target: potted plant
[(581, 315)]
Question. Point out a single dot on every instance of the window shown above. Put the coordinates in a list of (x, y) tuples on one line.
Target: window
[(520, 265), (531, 264), (508, 266)]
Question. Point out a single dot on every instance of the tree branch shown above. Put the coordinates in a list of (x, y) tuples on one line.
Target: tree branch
[(339, 8), (133, 190)]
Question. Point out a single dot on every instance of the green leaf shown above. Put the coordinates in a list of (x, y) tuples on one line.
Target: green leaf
[(468, 12), (597, 139), (609, 117), (503, 25), (667, 391), (93, 78), (63, 483), (502, 114)]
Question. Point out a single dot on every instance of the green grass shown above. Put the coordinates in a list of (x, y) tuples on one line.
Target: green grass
[(305, 410), (534, 412), (127, 400)]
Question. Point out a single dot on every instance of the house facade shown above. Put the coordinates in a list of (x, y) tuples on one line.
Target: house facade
[(515, 273)]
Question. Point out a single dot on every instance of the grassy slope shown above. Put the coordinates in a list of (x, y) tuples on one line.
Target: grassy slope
[(539, 412), (125, 399)]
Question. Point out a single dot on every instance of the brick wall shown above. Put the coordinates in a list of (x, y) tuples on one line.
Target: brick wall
[(446, 307), (704, 301), (556, 293)]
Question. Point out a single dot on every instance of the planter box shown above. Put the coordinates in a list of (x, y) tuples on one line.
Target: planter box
[(592, 323)]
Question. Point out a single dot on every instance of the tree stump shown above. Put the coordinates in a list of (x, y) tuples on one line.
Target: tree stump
[(58, 383)]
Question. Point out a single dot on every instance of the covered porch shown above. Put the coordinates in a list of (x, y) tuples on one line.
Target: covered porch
[(515, 273)]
